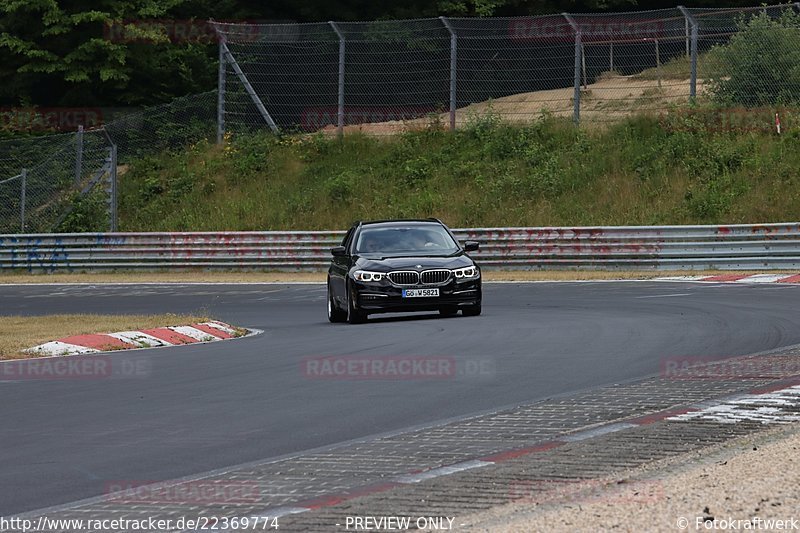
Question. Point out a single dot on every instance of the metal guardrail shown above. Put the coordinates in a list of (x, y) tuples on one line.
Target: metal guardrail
[(739, 247)]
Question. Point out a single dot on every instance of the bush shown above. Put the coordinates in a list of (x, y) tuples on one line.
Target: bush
[(760, 65)]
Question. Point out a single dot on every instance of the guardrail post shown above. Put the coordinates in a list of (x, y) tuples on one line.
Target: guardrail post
[(78, 156), (453, 70), (340, 101), (22, 192), (576, 112), (694, 37), (223, 70)]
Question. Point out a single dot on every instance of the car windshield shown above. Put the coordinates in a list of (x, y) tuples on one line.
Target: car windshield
[(426, 239)]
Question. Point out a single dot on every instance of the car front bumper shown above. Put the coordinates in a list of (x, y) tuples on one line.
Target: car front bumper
[(388, 298)]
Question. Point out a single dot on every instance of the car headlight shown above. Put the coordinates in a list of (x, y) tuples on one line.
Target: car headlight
[(469, 272), (364, 275)]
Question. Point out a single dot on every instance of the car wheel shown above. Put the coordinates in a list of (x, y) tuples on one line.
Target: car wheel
[(448, 311), (472, 310), (334, 313), (354, 316)]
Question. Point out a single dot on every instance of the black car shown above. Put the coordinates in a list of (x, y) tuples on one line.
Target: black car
[(402, 265)]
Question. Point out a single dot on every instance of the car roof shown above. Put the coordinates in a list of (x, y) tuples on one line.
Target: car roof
[(403, 222)]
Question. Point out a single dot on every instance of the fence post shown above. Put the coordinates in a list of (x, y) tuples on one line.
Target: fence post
[(583, 66), (112, 188), (693, 24), (78, 156), (223, 70), (340, 102), (576, 112), (248, 87), (453, 70), (686, 24), (23, 186), (611, 55), (658, 63)]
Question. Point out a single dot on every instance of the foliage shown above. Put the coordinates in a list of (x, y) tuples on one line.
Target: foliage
[(760, 65), (681, 169)]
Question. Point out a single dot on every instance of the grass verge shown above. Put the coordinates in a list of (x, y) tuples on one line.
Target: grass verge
[(18, 333), (646, 170)]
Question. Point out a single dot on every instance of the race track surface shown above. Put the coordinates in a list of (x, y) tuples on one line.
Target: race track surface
[(196, 408)]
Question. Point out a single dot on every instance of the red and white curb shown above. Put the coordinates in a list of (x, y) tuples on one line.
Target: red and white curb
[(738, 278), (147, 338)]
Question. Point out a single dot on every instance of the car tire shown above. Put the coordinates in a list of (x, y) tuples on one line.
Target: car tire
[(472, 310), (448, 311), (334, 313), (354, 316)]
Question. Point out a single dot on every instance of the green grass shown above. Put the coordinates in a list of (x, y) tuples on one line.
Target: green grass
[(643, 170)]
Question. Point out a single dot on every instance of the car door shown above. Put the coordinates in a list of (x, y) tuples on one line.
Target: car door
[(340, 266)]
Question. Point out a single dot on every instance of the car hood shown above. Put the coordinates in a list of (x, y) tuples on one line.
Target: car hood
[(387, 264)]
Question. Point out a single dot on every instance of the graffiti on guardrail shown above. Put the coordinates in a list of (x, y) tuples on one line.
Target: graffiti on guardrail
[(33, 253), (739, 247)]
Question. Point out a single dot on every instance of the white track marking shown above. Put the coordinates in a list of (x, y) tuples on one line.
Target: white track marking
[(194, 333), (777, 407), (220, 326), (762, 278), (664, 295), (441, 471), (60, 348), (681, 278), (138, 338), (596, 432)]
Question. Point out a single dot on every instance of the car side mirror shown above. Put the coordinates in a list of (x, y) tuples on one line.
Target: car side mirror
[(338, 251), (471, 246)]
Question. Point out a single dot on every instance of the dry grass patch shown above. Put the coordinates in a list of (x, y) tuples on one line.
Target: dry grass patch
[(319, 277), (20, 332)]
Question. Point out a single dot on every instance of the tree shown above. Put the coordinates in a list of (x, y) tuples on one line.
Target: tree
[(760, 65), (73, 56)]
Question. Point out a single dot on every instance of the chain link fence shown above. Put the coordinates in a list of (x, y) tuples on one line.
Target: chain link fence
[(44, 178), (387, 76)]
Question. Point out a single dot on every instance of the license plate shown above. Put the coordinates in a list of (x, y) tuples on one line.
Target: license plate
[(420, 293)]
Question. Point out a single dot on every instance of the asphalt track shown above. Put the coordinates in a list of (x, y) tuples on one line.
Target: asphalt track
[(203, 407)]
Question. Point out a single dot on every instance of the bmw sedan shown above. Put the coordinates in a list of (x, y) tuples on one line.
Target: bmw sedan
[(399, 266)]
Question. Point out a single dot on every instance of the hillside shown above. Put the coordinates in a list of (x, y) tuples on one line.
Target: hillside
[(643, 170)]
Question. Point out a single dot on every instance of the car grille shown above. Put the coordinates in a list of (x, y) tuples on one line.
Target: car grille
[(404, 277), (433, 277)]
